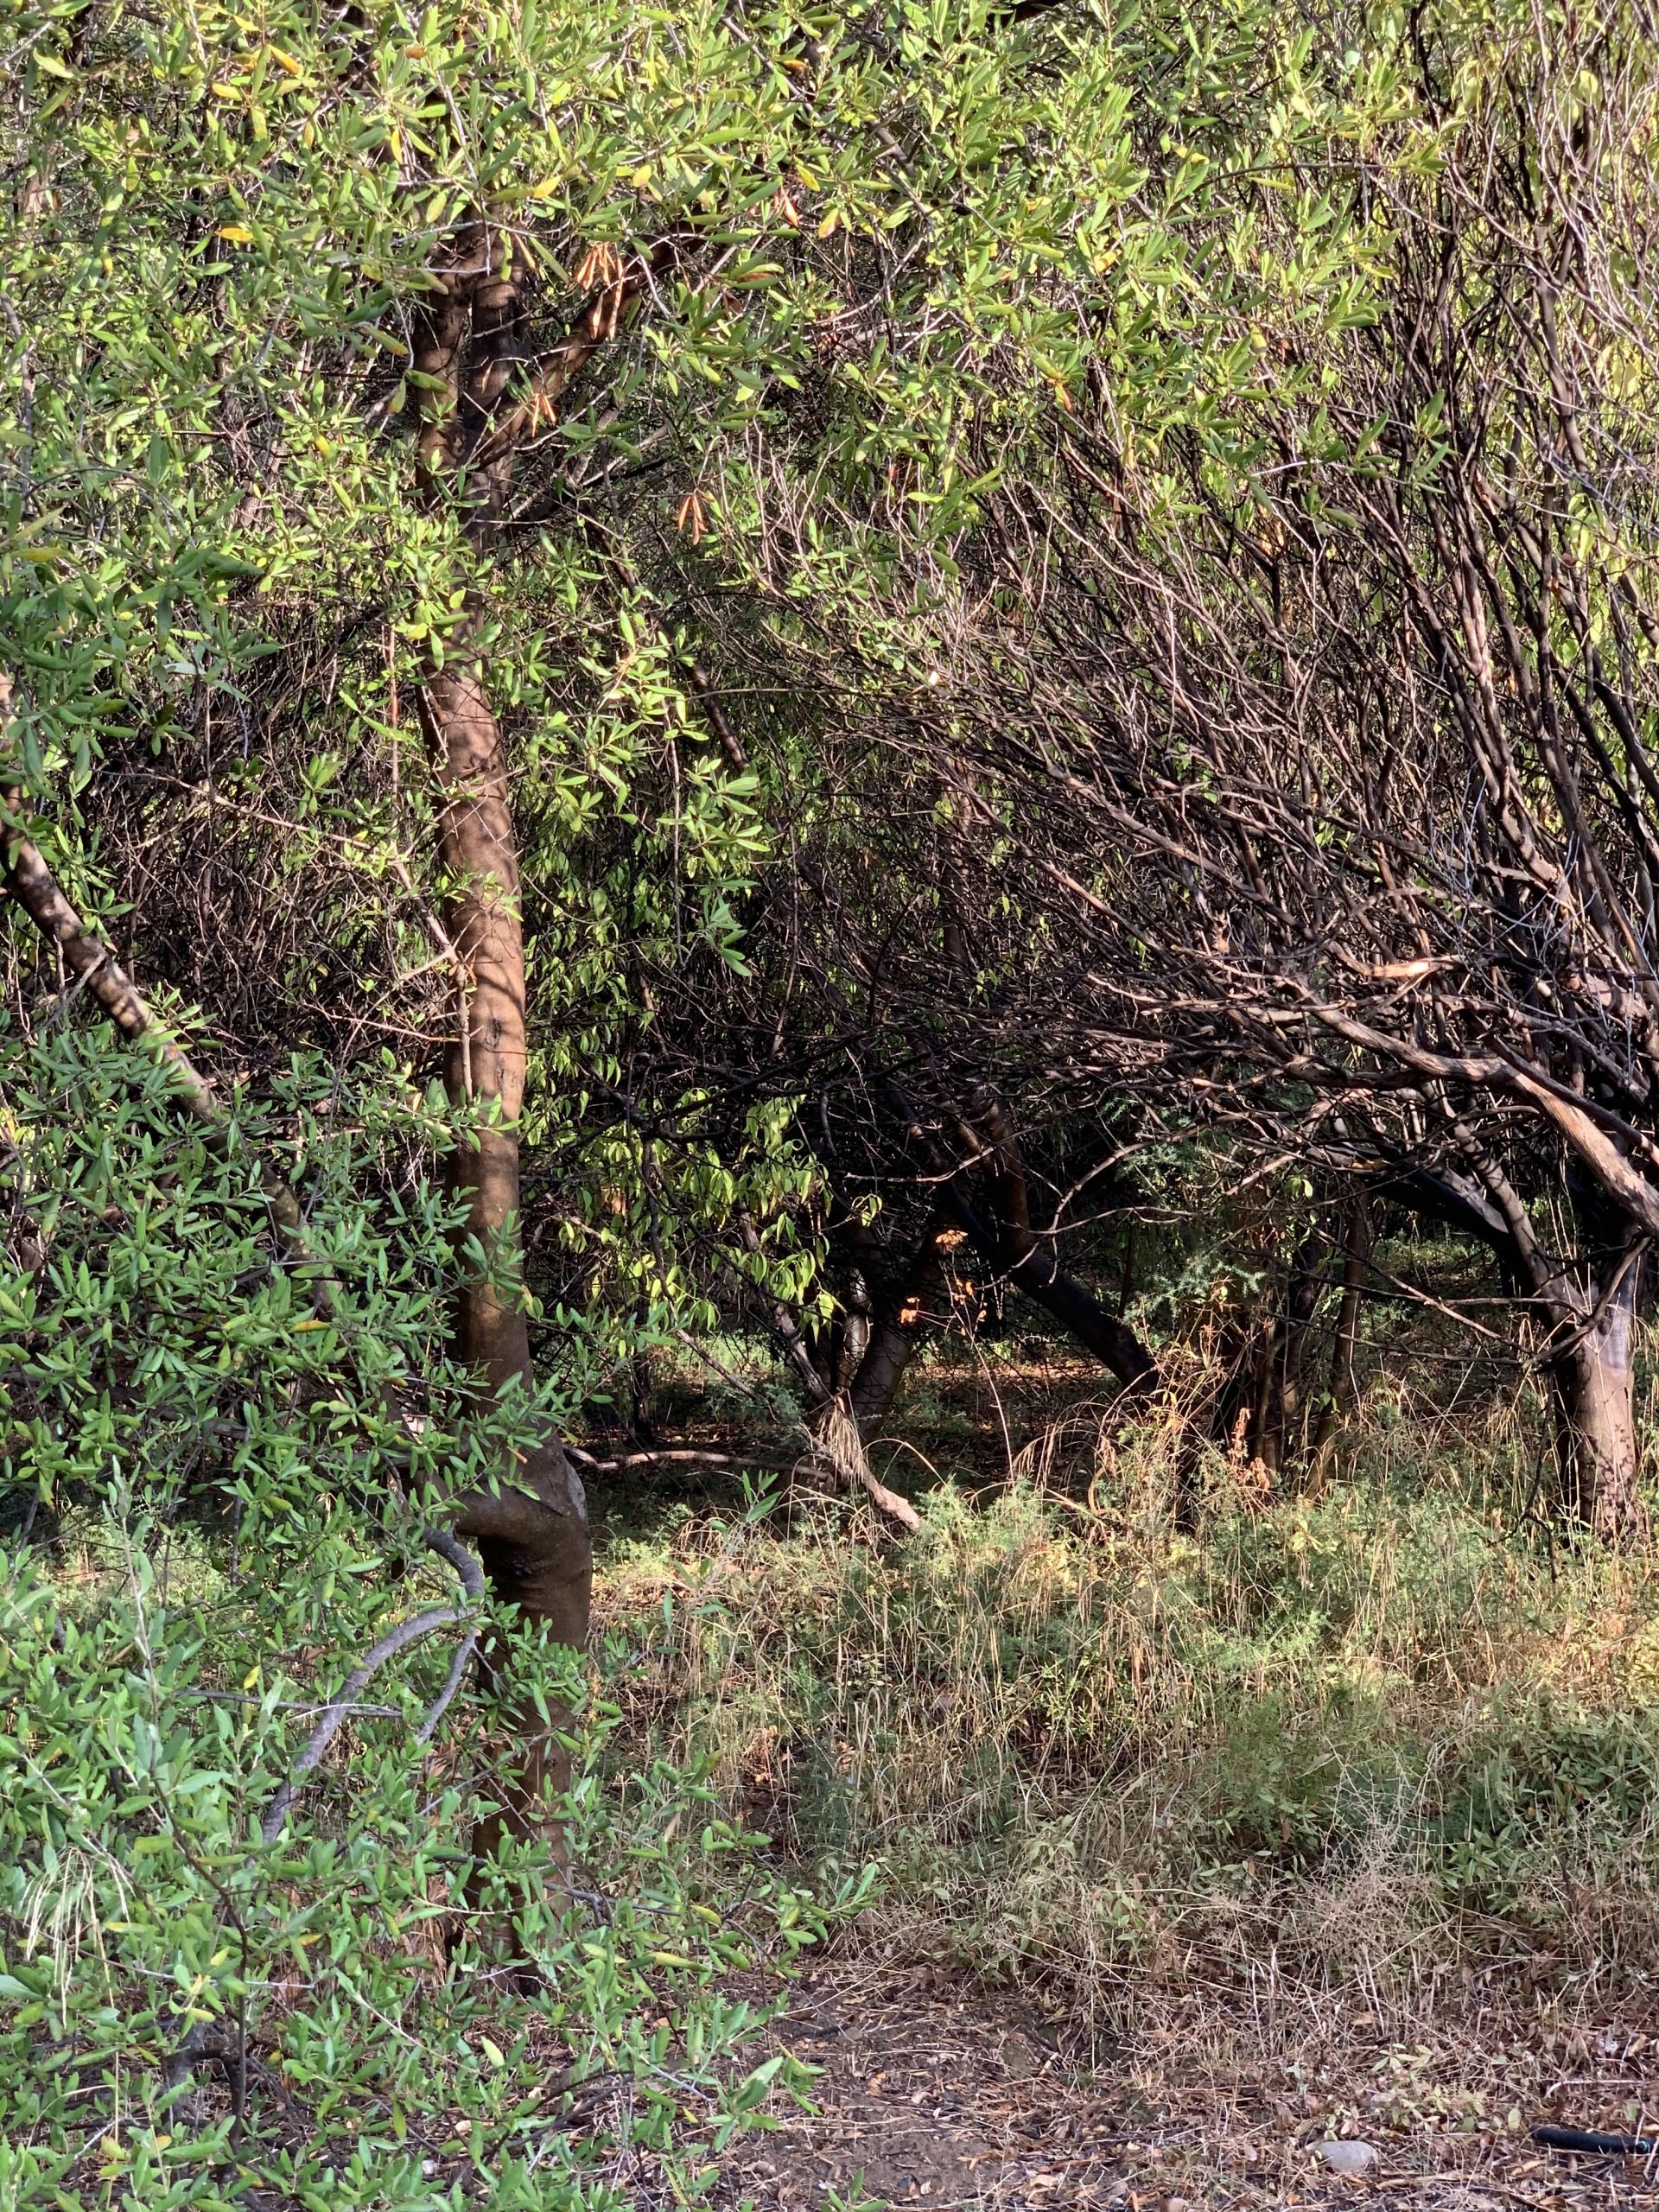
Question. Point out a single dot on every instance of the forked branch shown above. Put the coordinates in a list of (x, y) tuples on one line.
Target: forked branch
[(411, 1632)]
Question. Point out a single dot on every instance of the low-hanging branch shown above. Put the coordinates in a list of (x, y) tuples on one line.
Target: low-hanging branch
[(400, 1638)]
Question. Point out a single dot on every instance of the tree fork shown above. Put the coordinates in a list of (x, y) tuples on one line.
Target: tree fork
[(1012, 1245), (831, 1422), (900, 1323)]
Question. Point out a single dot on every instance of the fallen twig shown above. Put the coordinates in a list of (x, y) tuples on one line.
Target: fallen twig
[(680, 1456)]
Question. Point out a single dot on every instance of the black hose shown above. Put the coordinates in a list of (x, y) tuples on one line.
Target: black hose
[(1579, 2139)]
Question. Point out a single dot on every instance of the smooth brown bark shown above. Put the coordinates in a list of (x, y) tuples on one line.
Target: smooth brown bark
[(532, 1531), (531, 1527), (94, 965)]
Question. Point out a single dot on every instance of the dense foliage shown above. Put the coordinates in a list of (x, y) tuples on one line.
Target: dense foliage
[(728, 671)]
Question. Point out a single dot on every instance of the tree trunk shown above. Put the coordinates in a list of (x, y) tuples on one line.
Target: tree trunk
[(532, 1535), (830, 1422), (1264, 1433), (1015, 1250), (1303, 1296), (1594, 1384), (1261, 1409), (911, 1305), (530, 1530), (1339, 1395), (1589, 1314)]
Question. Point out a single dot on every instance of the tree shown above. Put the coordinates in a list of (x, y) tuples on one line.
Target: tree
[(364, 369), (1316, 742), (890, 949)]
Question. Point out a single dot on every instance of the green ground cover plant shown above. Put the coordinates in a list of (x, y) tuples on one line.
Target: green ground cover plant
[(249, 1953)]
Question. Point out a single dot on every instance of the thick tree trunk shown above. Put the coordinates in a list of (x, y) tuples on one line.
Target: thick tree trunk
[(530, 1530), (913, 1306), (1588, 1312), (1594, 1384), (532, 1534)]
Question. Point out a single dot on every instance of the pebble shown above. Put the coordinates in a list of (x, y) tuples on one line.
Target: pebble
[(1351, 2158)]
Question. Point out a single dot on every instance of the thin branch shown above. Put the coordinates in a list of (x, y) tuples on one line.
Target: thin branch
[(397, 1639), (28, 879)]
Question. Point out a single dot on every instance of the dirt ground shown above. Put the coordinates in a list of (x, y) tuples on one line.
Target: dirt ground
[(936, 2096)]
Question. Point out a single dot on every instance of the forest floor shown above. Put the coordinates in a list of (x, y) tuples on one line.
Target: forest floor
[(933, 2093), (1207, 1721)]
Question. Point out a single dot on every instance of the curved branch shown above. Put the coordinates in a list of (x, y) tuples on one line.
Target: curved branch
[(413, 1631), (1578, 1120)]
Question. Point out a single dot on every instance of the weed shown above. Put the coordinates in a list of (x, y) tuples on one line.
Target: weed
[(1347, 1730)]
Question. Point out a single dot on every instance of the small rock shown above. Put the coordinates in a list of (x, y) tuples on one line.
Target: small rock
[(1351, 2158), (1178, 2204)]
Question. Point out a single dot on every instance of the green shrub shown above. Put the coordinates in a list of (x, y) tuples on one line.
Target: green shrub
[(228, 1487), (1546, 1791)]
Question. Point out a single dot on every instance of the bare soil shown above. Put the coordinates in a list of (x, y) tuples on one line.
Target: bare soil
[(931, 2094)]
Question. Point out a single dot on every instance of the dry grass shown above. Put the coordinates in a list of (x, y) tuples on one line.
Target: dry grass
[(974, 2101), (1384, 1748)]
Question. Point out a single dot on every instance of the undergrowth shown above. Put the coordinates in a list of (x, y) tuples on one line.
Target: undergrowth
[(1387, 1733), (193, 2013)]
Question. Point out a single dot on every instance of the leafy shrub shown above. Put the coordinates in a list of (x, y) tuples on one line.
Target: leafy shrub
[(1554, 1788), (229, 1486), (190, 2011)]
